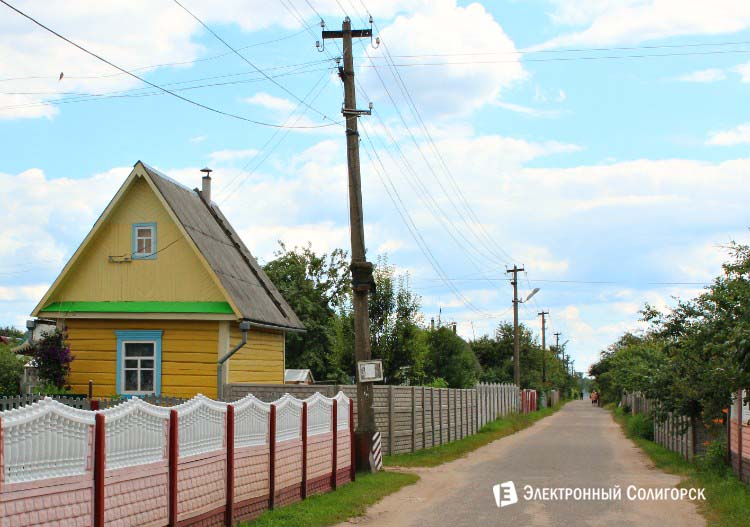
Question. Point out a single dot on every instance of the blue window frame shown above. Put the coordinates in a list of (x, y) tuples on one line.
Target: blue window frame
[(138, 362), (144, 241)]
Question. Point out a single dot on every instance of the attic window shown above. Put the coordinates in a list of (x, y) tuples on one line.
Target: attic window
[(144, 241)]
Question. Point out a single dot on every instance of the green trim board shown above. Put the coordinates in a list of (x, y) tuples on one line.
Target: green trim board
[(214, 308)]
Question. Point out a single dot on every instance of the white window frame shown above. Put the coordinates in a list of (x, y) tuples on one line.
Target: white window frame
[(125, 368), (145, 255)]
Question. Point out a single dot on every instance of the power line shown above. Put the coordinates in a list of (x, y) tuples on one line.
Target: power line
[(135, 76), (564, 59), (250, 63), (154, 66)]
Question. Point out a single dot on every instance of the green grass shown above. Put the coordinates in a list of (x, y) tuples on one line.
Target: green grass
[(727, 499), (490, 432), (347, 502)]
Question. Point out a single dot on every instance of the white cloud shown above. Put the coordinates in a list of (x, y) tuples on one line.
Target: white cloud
[(703, 76), (24, 292), (453, 88), (613, 22), (739, 135), (270, 102), (223, 156), (744, 71), (198, 138), (526, 110)]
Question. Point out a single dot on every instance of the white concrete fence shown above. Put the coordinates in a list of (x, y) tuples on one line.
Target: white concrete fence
[(202, 462)]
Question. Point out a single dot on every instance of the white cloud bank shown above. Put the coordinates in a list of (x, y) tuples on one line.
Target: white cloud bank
[(739, 135)]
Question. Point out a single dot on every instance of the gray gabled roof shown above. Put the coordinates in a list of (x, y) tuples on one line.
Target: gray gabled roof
[(246, 283)]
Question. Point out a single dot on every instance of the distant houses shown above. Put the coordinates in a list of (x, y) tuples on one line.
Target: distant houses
[(155, 295)]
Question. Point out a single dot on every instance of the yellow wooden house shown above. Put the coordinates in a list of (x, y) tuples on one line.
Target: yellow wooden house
[(160, 291)]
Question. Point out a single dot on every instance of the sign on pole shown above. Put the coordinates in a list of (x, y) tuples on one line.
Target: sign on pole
[(370, 370)]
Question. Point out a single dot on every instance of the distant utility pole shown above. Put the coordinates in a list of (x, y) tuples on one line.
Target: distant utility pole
[(362, 278), (544, 345), (516, 334), (557, 342)]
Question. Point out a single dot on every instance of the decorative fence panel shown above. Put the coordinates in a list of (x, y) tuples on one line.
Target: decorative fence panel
[(199, 463), (411, 418)]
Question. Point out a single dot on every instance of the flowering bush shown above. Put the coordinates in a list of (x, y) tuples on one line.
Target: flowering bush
[(52, 357)]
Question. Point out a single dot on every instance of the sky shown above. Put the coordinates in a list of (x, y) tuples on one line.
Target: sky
[(600, 144)]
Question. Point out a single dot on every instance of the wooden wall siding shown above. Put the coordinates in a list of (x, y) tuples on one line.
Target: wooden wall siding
[(176, 274), (261, 360), (409, 417), (189, 354)]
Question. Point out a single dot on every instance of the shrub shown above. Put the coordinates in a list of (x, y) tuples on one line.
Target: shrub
[(11, 369), (52, 357), (642, 426), (437, 382), (714, 459)]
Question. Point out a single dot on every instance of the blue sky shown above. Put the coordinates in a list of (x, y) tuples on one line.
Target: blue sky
[(582, 154)]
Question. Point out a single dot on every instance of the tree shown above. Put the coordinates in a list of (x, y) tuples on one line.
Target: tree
[(452, 359), (11, 369), (395, 333), (317, 288)]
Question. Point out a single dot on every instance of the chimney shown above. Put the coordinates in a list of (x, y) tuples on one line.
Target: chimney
[(206, 190), (432, 324), (454, 328)]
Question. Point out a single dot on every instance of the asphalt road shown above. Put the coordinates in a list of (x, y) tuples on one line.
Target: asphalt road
[(579, 446)]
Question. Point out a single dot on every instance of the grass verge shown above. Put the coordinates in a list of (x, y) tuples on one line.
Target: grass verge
[(328, 509), (493, 430), (727, 499)]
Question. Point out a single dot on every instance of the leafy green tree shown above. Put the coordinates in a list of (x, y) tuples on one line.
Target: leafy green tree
[(52, 357), (452, 359), (11, 369), (317, 288)]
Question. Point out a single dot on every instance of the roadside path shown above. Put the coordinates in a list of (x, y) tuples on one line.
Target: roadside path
[(579, 446)]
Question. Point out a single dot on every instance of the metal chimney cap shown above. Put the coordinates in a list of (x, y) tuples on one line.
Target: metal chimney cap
[(207, 171)]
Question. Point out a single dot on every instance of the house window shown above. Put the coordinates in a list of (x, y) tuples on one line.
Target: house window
[(138, 362), (144, 241), (138, 370)]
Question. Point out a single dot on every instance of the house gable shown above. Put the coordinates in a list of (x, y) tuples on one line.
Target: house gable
[(104, 270)]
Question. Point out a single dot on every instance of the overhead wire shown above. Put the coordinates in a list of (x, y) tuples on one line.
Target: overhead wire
[(145, 81)]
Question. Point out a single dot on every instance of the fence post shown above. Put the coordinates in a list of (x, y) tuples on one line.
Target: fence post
[(334, 461), (449, 416), (424, 428), (432, 413), (272, 457), (391, 408), (303, 493), (173, 459), (352, 461), (99, 460), (739, 435), (413, 420), (440, 412), (229, 511)]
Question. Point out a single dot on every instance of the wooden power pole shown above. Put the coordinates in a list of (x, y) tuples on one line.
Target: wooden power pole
[(516, 334), (543, 314), (362, 278)]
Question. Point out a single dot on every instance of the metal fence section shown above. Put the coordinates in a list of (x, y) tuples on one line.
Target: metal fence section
[(409, 418), (17, 401)]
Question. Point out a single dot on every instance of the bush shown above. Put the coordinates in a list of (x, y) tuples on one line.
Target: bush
[(626, 408), (642, 426), (52, 357), (714, 459), (11, 369)]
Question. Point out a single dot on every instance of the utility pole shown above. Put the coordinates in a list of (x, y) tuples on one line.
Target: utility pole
[(557, 342), (362, 278), (516, 334), (544, 345)]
